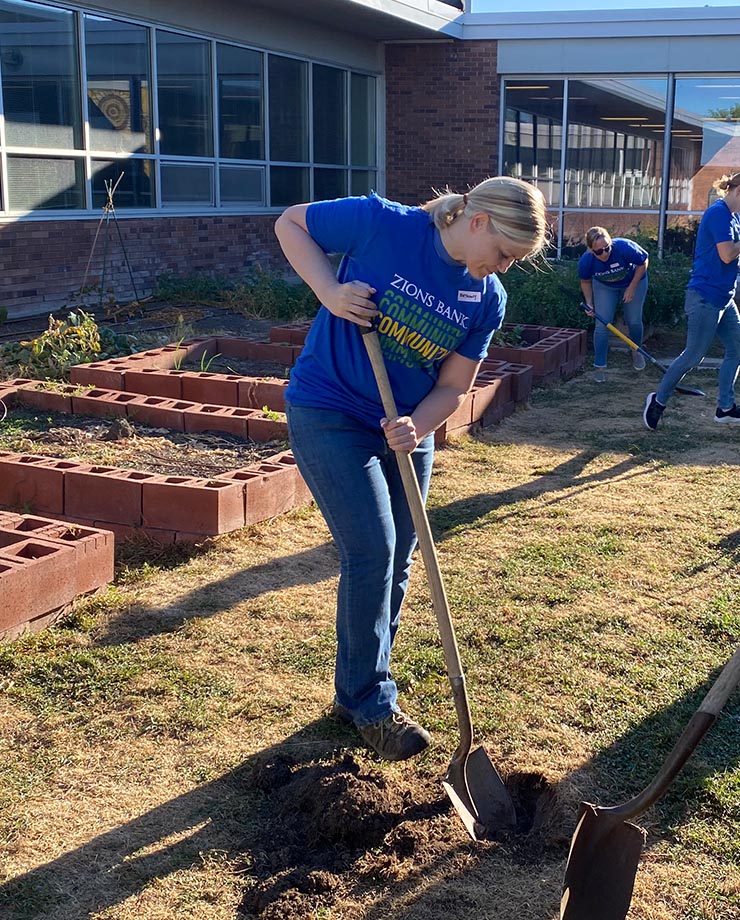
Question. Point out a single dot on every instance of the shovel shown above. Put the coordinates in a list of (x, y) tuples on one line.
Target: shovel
[(472, 782), (688, 391), (606, 846)]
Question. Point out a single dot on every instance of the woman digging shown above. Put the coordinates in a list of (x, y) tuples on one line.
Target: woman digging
[(426, 278)]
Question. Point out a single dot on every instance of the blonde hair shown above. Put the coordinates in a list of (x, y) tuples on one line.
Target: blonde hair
[(593, 233), (725, 183), (516, 209)]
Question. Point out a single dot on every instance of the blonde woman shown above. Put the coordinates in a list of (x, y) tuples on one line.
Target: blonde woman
[(710, 306), (426, 277), (612, 270)]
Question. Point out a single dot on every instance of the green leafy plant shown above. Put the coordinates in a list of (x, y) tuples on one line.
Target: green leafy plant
[(272, 414), (76, 340), (511, 337), (205, 364)]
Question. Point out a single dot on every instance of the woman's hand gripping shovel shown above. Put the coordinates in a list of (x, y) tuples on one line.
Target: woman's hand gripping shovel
[(606, 846), (472, 782)]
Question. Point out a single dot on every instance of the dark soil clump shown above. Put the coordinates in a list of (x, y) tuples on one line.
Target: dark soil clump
[(325, 821)]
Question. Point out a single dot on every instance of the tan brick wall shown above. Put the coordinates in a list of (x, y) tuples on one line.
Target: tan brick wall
[(442, 117), (42, 263)]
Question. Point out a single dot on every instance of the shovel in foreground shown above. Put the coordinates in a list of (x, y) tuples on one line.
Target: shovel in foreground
[(472, 782), (606, 846)]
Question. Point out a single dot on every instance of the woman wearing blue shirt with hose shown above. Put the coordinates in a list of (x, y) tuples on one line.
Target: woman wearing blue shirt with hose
[(612, 270), (710, 306), (427, 278)]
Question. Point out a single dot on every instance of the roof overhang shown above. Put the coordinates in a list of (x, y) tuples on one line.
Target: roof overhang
[(663, 23), (379, 20)]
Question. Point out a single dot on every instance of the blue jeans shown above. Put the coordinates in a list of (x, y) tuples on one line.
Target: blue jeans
[(354, 477), (606, 301), (704, 321)]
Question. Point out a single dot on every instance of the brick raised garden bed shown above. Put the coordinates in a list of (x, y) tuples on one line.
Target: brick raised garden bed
[(44, 565)]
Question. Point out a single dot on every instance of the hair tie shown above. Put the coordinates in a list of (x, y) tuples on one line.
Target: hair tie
[(465, 199)]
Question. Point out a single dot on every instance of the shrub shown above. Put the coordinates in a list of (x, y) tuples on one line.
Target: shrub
[(535, 296), (259, 294)]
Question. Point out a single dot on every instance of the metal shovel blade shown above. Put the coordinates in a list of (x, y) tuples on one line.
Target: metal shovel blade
[(479, 795), (602, 865)]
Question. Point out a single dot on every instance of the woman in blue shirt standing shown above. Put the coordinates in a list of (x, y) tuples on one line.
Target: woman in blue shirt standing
[(610, 270), (426, 277), (710, 306)]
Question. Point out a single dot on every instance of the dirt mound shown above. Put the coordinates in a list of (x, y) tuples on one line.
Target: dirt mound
[(335, 826)]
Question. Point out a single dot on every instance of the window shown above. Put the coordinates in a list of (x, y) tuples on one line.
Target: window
[(329, 115), (170, 120), (705, 139), (241, 118), (288, 110), (118, 86), (184, 94), (40, 77), (533, 134)]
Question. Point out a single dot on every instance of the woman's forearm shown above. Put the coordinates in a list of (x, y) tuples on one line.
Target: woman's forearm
[(305, 255), (439, 405)]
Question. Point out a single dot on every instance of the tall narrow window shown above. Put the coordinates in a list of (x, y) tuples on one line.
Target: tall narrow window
[(118, 86), (363, 140), (329, 115), (241, 118), (533, 134), (184, 74), (288, 110), (40, 76)]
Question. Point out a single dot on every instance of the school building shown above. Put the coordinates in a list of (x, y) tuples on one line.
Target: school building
[(204, 120)]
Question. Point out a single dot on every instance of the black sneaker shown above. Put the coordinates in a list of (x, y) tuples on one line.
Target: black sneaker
[(728, 415), (652, 412), (395, 738)]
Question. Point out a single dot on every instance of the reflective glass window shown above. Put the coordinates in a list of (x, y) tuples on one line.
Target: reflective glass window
[(705, 139), (362, 181), (533, 134), (184, 94), (118, 86), (40, 76), (288, 109), (43, 183), (184, 185), (363, 140), (242, 185), (288, 185), (241, 118), (131, 180), (329, 183), (329, 115), (614, 155)]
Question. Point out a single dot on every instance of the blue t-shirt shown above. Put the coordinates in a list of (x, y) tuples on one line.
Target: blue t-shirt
[(429, 307), (618, 270), (714, 279)]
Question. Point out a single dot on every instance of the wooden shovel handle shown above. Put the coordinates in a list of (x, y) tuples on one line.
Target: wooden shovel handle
[(702, 720), (426, 544)]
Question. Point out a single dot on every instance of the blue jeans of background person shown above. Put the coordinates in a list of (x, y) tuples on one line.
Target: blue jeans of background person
[(606, 301), (704, 321), (354, 477)]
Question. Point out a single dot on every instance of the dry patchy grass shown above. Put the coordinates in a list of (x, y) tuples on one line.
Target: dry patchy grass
[(165, 754)]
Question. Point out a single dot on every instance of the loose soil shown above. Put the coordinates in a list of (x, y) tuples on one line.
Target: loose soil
[(121, 444), (221, 364), (335, 828)]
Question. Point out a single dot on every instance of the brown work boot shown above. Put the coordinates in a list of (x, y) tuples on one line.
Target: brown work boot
[(396, 737)]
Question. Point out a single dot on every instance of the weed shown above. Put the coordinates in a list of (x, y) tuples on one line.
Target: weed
[(205, 364)]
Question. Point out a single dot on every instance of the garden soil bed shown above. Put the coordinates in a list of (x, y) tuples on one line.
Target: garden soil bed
[(242, 366), (120, 444)]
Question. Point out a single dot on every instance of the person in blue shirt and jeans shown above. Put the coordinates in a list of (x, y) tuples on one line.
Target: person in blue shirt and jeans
[(612, 270), (426, 278), (710, 306)]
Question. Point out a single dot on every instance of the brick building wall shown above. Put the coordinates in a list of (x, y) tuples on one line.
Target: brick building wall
[(42, 263), (442, 118)]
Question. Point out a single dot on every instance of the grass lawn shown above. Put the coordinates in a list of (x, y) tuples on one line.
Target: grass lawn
[(165, 753)]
